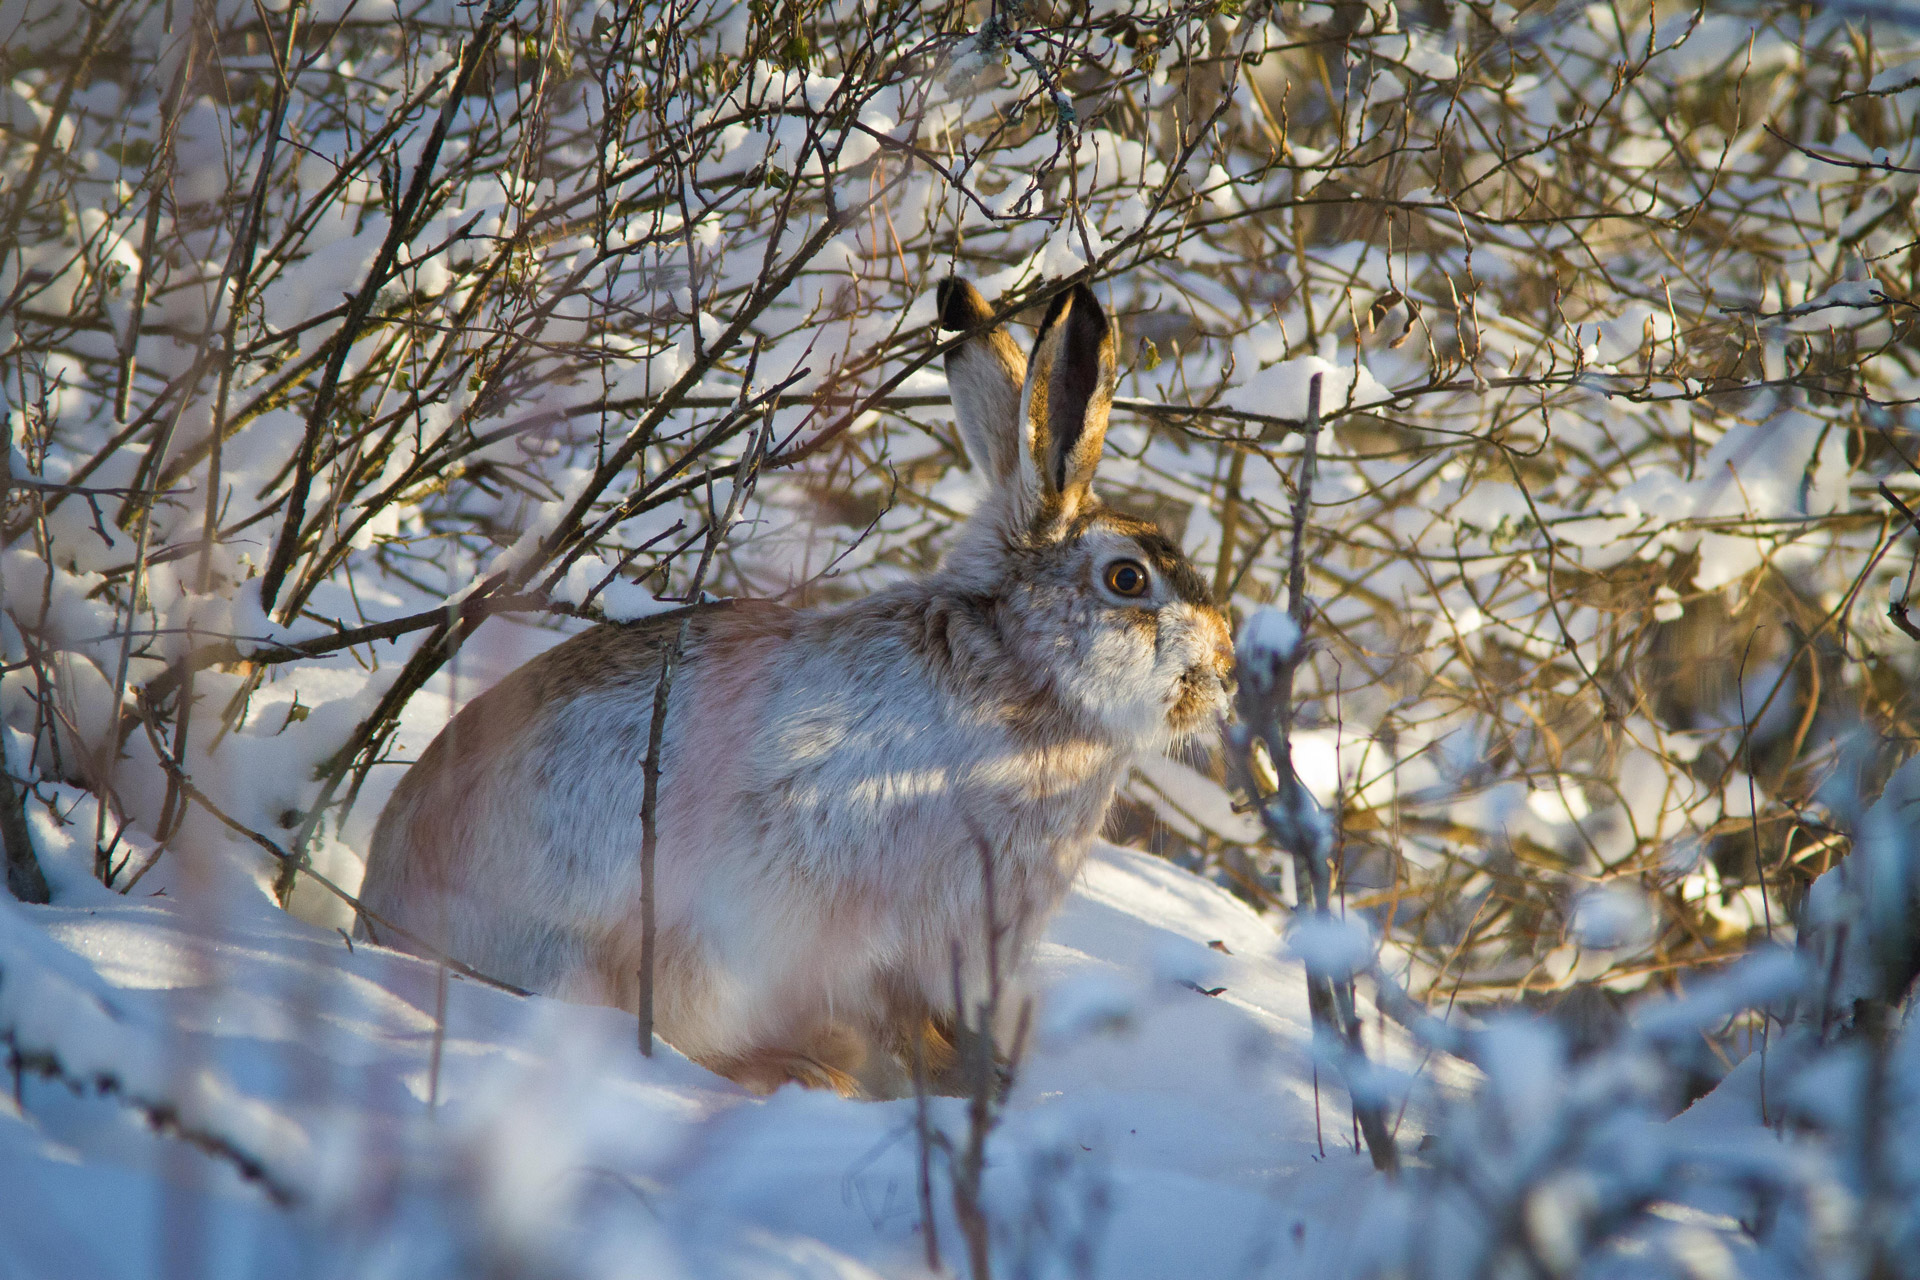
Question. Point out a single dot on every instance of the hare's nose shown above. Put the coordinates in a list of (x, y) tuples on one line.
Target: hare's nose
[(1223, 668)]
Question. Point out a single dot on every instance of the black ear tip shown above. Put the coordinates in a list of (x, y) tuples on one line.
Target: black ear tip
[(1059, 304), (961, 306), (1081, 308), (1087, 326)]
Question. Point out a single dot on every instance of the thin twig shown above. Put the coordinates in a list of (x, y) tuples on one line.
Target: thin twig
[(656, 735)]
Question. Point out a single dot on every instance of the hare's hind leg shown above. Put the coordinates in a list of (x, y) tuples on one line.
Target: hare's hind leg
[(707, 1018), (830, 1058)]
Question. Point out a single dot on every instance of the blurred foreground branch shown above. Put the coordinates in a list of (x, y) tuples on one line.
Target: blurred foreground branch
[(1272, 646)]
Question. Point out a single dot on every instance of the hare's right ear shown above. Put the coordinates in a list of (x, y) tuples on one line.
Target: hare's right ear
[(1068, 396), (984, 376)]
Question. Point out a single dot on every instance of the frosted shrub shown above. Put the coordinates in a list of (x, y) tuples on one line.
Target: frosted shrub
[(1798, 1163), (350, 353)]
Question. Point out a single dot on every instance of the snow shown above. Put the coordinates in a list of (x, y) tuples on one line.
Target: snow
[(1269, 634), (1282, 390), (1269, 642), (1611, 915), (1337, 948), (1177, 1127)]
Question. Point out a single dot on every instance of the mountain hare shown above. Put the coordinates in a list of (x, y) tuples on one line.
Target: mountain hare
[(830, 777)]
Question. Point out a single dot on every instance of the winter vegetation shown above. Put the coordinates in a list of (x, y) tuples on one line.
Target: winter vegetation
[(1536, 387)]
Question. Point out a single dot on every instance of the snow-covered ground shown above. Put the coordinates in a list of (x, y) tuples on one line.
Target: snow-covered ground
[(1155, 1130), (212, 1087)]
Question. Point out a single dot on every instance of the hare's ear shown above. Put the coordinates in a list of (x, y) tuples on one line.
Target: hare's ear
[(984, 375), (1069, 394)]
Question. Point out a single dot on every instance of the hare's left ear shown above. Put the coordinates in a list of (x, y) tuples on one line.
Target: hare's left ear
[(1068, 395), (984, 374)]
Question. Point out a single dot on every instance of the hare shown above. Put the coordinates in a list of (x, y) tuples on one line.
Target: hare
[(830, 777)]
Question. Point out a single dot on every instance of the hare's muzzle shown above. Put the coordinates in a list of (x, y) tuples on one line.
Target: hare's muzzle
[(1203, 691)]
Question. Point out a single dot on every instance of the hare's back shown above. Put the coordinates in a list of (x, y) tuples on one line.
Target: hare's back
[(496, 837)]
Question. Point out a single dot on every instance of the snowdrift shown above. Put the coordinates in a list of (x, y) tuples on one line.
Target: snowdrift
[(250, 1095)]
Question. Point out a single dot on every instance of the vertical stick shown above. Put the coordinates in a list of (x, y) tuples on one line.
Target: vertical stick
[(1223, 574), (1302, 496), (24, 879), (923, 1136), (662, 693), (650, 830), (108, 754), (439, 1035), (1293, 820), (977, 1047), (161, 169)]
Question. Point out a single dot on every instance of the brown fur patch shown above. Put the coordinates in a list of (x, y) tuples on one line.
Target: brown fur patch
[(829, 1065)]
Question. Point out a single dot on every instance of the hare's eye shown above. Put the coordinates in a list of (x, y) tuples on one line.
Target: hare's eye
[(1127, 578)]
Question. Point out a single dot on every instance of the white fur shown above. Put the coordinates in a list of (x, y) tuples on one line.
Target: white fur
[(830, 778)]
